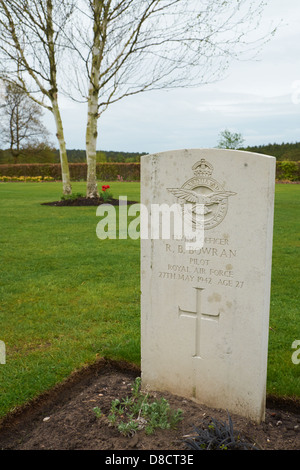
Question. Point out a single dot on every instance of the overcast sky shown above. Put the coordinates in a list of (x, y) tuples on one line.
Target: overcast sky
[(260, 99)]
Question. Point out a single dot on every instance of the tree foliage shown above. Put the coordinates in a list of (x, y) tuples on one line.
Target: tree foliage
[(230, 140), (20, 121)]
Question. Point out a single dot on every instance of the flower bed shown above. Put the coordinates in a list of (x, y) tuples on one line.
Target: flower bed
[(25, 179)]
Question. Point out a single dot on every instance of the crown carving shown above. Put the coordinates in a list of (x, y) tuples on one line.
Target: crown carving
[(203, 168)]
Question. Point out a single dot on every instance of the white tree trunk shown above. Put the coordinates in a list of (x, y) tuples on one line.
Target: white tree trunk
[(65, 173), (91, 145)]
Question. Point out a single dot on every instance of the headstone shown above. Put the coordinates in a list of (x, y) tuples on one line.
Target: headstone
[(2, 353), (205, 310)]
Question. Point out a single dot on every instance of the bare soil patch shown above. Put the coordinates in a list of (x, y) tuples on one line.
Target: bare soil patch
[(85, 201), (63, 418)]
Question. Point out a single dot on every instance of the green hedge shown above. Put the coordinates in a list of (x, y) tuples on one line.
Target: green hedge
[(78, 171), (286, 170)]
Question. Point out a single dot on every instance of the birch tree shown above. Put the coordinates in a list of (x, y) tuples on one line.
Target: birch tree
[(132, 46), (31, 43)]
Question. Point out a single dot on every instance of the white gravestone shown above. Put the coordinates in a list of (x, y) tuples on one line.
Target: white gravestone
[(205, 311), (2, 353)]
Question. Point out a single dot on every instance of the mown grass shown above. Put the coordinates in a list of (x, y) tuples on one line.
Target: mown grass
[(68, 298), (283, 374)]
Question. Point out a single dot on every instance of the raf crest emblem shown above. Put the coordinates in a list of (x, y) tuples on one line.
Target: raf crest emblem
[(203, 189)]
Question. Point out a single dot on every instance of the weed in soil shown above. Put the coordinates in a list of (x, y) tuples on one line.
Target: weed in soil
[(136, 412)]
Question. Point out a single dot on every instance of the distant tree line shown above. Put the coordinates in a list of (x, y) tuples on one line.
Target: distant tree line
[(42, 153), (109, 156), (47, 154), (282, 152)]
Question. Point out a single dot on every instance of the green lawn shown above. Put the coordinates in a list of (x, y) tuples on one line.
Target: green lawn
[(283, 375), (68, 297)]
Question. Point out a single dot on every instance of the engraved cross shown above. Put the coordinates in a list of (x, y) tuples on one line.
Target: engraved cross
[(198, 316)]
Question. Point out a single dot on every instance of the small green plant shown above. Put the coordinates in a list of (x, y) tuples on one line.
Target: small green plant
[(137, 412), (97, 411), (68, 197)]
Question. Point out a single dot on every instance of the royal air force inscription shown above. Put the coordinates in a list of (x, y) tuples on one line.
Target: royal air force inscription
[(211, 264), (208, 266)]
